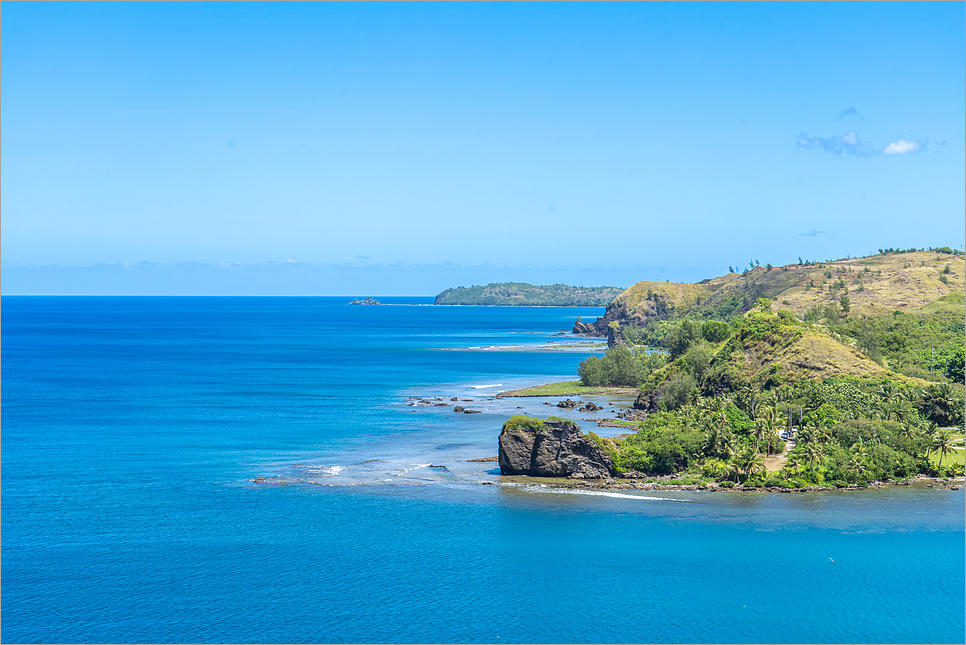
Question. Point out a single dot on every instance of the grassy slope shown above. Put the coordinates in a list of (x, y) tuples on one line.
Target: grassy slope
[(797, 353), (904, 281)]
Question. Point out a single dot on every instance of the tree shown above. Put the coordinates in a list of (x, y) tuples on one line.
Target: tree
[(943, 442), (846, 304), (681, 336), (749, 462), (762, 431), (857, 461), (697, 359), (813, 455), (955, 365), (715, 331), (763, 304)]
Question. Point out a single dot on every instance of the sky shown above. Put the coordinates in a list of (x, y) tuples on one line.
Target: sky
[(403, 149)]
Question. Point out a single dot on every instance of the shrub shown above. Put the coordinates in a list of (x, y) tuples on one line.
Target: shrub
[(677, 390), (521, 422), (715, 331)]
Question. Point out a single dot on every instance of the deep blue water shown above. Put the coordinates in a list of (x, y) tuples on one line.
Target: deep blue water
[(134, 430)]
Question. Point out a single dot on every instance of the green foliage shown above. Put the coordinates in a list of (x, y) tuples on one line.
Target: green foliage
[(905, 342), (763, 305), (677, 391), (681, 336), (620, 366), (760, 327), (525, 423), (954, 366), (845, 303), (715, 331), (826, 415), (633, 333), (697, 360)]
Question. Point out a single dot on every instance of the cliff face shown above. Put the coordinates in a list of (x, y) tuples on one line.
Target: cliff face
[(557, 449)]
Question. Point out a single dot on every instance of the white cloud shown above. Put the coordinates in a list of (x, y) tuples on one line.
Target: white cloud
[(902, 147)]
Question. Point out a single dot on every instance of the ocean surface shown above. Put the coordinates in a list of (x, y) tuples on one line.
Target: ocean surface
[(256, 470)]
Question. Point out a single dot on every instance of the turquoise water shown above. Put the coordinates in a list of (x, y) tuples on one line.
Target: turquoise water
[(133, 429)]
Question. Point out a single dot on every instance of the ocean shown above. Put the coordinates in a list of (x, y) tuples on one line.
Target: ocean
[(277, 470)]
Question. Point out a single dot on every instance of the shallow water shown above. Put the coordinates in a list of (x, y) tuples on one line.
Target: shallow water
[(134, 430)]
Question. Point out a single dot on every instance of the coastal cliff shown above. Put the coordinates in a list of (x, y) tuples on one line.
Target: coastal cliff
[(551, 448)]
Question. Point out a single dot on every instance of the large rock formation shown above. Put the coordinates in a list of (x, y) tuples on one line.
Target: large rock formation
[(551, 449)]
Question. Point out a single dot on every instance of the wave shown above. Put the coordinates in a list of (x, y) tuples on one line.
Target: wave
[(599, 493), (483, 387)]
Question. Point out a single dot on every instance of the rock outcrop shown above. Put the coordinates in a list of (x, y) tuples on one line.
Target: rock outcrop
[(368, 301), (552, 449)]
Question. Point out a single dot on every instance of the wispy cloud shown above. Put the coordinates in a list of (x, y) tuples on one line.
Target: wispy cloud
[(849, 112), (363, 257), (811, 233), (851, 144), (848, 143)]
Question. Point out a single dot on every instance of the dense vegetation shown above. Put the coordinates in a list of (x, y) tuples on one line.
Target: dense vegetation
[(850, 431), (523, 294)]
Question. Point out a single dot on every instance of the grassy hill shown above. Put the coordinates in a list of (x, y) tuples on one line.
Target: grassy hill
[(874, 284), (528, 295)]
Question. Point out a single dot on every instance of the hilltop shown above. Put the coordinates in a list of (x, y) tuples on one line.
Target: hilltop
[(877, 284), (528, 295)]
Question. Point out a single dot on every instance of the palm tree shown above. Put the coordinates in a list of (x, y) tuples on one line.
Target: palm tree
[(888, 391), (762, 431), (749, 462), (857, 461), (944, 442), (813, 455), (715, 468), (940, 399)]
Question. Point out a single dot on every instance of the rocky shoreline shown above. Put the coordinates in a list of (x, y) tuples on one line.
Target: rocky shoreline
[(620, 484)]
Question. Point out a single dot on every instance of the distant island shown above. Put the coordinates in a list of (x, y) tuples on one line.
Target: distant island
[(368, 301), (521, 294)]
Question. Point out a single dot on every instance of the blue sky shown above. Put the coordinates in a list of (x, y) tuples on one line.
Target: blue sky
[(394, 148)]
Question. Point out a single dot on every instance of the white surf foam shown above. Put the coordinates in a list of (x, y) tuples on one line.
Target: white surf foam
[(602, 493), (483, 387)]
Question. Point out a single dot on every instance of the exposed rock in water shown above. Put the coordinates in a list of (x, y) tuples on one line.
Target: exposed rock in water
[(458, 408), (590, 406), (587, 328), (367, 301), (557, 449), (472, 411), (484, 459), (568, 404), (632, 415)]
